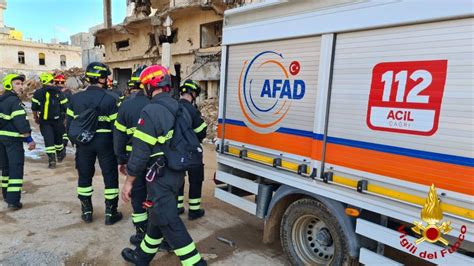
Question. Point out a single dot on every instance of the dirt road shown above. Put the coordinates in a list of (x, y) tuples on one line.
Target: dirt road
[(49, 231)]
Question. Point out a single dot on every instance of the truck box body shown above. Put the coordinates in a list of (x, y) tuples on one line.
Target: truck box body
[(344, 96)]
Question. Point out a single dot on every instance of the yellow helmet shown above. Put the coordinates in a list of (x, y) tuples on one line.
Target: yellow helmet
[(46, 78), (7, 80)]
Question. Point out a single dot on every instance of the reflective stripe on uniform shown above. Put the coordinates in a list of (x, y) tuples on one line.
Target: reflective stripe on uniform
[(180, 201), (10, 134), (195, 204), (92, 74), (59, 147), (152, 140), (150, 245), (12, 115), (4, 181), (139, 217), (120, 127), (200, 128), (65, 137), (85, 191), (113, 116), (70, 113), (35, 101), (191, 261), (152, 241), (185, 250), (128, 148), (46, 107), (50, 149), (103, 131), (64, 101), (15, 181), (111, 193), (13, 189)]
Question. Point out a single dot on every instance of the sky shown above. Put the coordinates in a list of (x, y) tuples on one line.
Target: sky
[(47, 19)]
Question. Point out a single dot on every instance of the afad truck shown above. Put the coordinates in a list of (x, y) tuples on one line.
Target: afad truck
[(348, 126)]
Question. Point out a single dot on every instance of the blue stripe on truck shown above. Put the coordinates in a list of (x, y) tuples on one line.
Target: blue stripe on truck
[(433, 156)]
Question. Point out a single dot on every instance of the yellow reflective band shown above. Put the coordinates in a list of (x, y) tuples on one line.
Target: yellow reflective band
[(111, 190), (152, 75), (120, 127), (135, 79), (10, 134), (195, 207), (190, 85), (191, 261), (168, 136), (64, 101), (70, 113), (103, 131), (144, 137), (46, 107), (84, 189), (153, 241), (139, 217), (157, 154), (100, 68), (104, 118), (180, 205), (35, 101), (180, 198), (15, 181), (110, 197), (146, 249), (13, 189), (131, 130), (194, 201), (17, 113), (128, 148), (113, 116), (201, 127), (185, 250), (92, 74)]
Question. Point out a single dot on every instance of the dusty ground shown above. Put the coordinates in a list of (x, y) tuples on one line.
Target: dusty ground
[(49, 231)]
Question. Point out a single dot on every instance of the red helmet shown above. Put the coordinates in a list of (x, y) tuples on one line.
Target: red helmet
[(59, 78), (156, 76)]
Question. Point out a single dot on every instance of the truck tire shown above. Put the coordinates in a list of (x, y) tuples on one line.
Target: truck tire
[(311, 235)]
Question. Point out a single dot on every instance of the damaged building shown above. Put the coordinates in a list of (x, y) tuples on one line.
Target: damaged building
[(191, 29)]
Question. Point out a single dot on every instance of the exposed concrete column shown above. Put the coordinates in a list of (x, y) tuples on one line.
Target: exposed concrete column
[(3, 6), (107, 14)]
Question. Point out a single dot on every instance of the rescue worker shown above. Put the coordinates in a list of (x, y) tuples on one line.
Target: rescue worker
[(60, 81), (49, 105), (100, 146), (153, 132), (189, 91), (128, 115), (14, 130)]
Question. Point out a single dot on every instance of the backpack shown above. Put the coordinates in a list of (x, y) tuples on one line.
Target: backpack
[(183, 151), (82, 128)]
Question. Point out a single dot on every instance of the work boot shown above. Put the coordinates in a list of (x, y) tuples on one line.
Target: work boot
[(193, 215), (137, 238), (61, 155), (137, 256), (202, 262), (15, 206), (180, 211), (51, 160), (111, 214), (87, 210)]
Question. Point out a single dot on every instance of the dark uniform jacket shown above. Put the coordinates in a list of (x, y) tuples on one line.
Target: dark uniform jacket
[(13, 119), (154, 128), (126, 123), (90, 98), (50, 102), (199, 126)]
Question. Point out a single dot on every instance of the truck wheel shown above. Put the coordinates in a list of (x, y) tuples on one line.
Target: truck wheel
[(311, 235)]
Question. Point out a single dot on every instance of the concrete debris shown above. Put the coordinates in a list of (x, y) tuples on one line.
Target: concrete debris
[(209, 111)]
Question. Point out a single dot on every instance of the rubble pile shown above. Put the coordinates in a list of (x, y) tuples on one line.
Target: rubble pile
[(73, 81), (209, 111)]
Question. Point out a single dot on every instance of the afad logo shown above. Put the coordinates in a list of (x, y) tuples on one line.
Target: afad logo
[(431, 230), (267, 89)]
